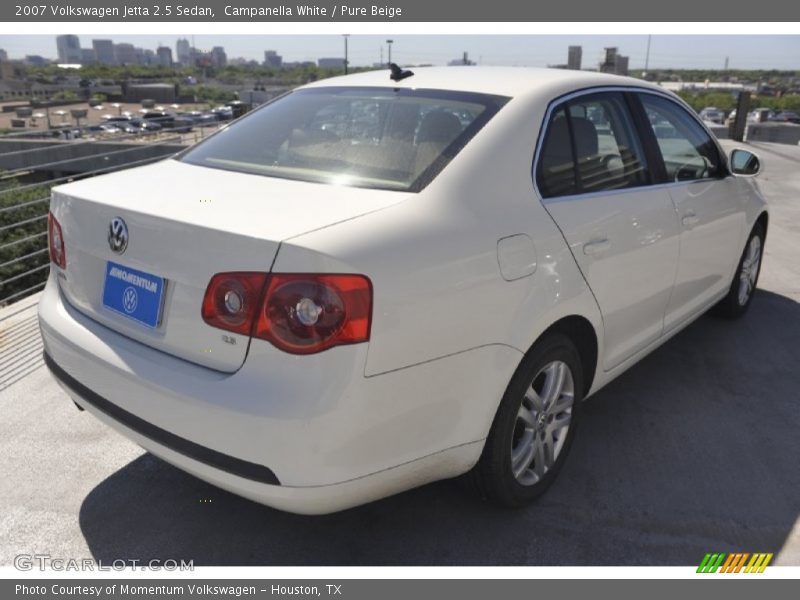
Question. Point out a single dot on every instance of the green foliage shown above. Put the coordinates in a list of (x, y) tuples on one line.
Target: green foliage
[(698, 101), (726, 101), (230, 74), (211, 95), (770, 76), (26, 203), (116, 73), (67, 95), (791, 103)]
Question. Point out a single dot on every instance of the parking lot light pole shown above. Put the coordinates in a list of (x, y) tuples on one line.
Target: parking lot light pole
[(346, 62)]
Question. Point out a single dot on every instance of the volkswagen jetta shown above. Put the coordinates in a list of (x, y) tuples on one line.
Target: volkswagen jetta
[(378, 281)]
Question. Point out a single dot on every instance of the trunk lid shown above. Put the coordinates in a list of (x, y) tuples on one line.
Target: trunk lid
[(184, 224)]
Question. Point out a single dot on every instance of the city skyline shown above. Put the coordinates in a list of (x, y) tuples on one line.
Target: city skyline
[(666, 51)]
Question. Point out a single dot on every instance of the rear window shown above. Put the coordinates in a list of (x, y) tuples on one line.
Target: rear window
[(392, 139)]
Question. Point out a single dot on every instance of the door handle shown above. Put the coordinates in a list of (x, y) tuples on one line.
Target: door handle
[(596, 247), (690, 219)]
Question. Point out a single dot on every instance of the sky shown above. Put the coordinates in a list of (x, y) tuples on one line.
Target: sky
[(676, 51)]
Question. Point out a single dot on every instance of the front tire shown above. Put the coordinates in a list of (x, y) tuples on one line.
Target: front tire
[(740, 294), (534, 425)]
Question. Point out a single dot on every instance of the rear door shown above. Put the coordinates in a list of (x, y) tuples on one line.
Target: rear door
[(708, 205), (595, 179)]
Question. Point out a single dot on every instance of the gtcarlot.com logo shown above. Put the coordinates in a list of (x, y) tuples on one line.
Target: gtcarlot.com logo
[(43, 562), (737, 562)]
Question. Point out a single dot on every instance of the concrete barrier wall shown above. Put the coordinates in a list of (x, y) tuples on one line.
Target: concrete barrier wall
[(780, 133), (721, 131), (68, 157)]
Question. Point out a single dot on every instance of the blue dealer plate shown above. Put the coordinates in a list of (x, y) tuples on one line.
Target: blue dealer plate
[(133, 294)]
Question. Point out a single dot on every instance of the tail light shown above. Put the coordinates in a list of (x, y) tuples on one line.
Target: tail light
[(232, 300), (55, 242), (298, 313)]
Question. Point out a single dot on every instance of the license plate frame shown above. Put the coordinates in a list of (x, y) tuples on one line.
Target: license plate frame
[(134, 294)]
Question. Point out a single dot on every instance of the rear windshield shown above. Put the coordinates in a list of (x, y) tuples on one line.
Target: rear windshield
[(392, 139)]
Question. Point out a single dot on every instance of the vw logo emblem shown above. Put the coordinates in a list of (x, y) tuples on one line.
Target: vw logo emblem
[(118, 235), (129, 300)]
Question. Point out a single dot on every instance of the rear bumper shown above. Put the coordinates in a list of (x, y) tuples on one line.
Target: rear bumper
[(201, 454), (226, 472), (332, 437)]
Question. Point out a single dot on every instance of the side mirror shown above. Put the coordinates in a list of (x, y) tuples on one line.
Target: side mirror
[(745, 163)]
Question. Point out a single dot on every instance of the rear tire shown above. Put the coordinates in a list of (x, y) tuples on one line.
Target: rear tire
[(743, 286), (534, 426)]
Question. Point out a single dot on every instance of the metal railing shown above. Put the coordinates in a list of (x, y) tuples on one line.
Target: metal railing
[(25, 194)]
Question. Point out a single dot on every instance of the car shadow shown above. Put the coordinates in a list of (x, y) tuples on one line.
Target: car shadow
[(693, 450)]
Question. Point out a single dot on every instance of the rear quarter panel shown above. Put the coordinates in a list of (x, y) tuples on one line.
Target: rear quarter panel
[(433, 258)]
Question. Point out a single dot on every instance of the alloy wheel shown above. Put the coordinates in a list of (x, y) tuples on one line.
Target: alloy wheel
[(749, 271), (542, 424)]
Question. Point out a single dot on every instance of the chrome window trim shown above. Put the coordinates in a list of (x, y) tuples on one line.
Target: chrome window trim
[(558, 101)]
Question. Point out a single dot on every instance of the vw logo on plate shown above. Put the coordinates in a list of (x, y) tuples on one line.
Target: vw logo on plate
[(118, 235), (129, 299)]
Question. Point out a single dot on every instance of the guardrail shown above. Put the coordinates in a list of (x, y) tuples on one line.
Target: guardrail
[(25, 192)]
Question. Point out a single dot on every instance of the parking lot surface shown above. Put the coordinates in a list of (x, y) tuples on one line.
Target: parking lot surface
[(693, 450)]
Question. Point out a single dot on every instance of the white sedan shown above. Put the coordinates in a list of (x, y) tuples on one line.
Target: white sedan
[(375, 282)]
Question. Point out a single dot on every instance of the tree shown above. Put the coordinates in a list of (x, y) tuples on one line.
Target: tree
[(24, 247), (66, 95)]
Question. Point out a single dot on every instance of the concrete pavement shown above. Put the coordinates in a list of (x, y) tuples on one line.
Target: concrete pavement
[(693, 450)]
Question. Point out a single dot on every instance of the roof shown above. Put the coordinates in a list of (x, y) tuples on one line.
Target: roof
[(503, 81), (152, 85)]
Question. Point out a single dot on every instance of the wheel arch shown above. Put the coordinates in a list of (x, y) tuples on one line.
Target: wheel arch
[(581, 332), (763, 220)]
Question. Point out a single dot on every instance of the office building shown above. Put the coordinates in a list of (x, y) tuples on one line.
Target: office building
[(272, 59), (69, 49), (218, 57), (183, 51), (125, 54), (614, 62), (88, 56), (574, 55), (104, 52), (164, 56)]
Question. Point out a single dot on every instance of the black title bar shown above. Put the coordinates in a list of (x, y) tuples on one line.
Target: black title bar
[(401, 11)]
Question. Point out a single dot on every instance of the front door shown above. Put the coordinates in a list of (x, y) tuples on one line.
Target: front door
[(707, 203)]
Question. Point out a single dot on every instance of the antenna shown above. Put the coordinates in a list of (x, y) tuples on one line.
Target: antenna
[(398, 74)]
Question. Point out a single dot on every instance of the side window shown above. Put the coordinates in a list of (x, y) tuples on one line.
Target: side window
[(555, 173), (590, 146), (607, 148), (688, 151)]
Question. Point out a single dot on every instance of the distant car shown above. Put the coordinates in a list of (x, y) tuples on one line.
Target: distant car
[(712, 114), (127, 127), (785, 116), (316, 319), (145, 125), (183, 122), (104, 128), (163, 118), (223, 113), (238, 108), (207, 119), (122, 123), (117, 119), (67, 133), (759, 115)]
